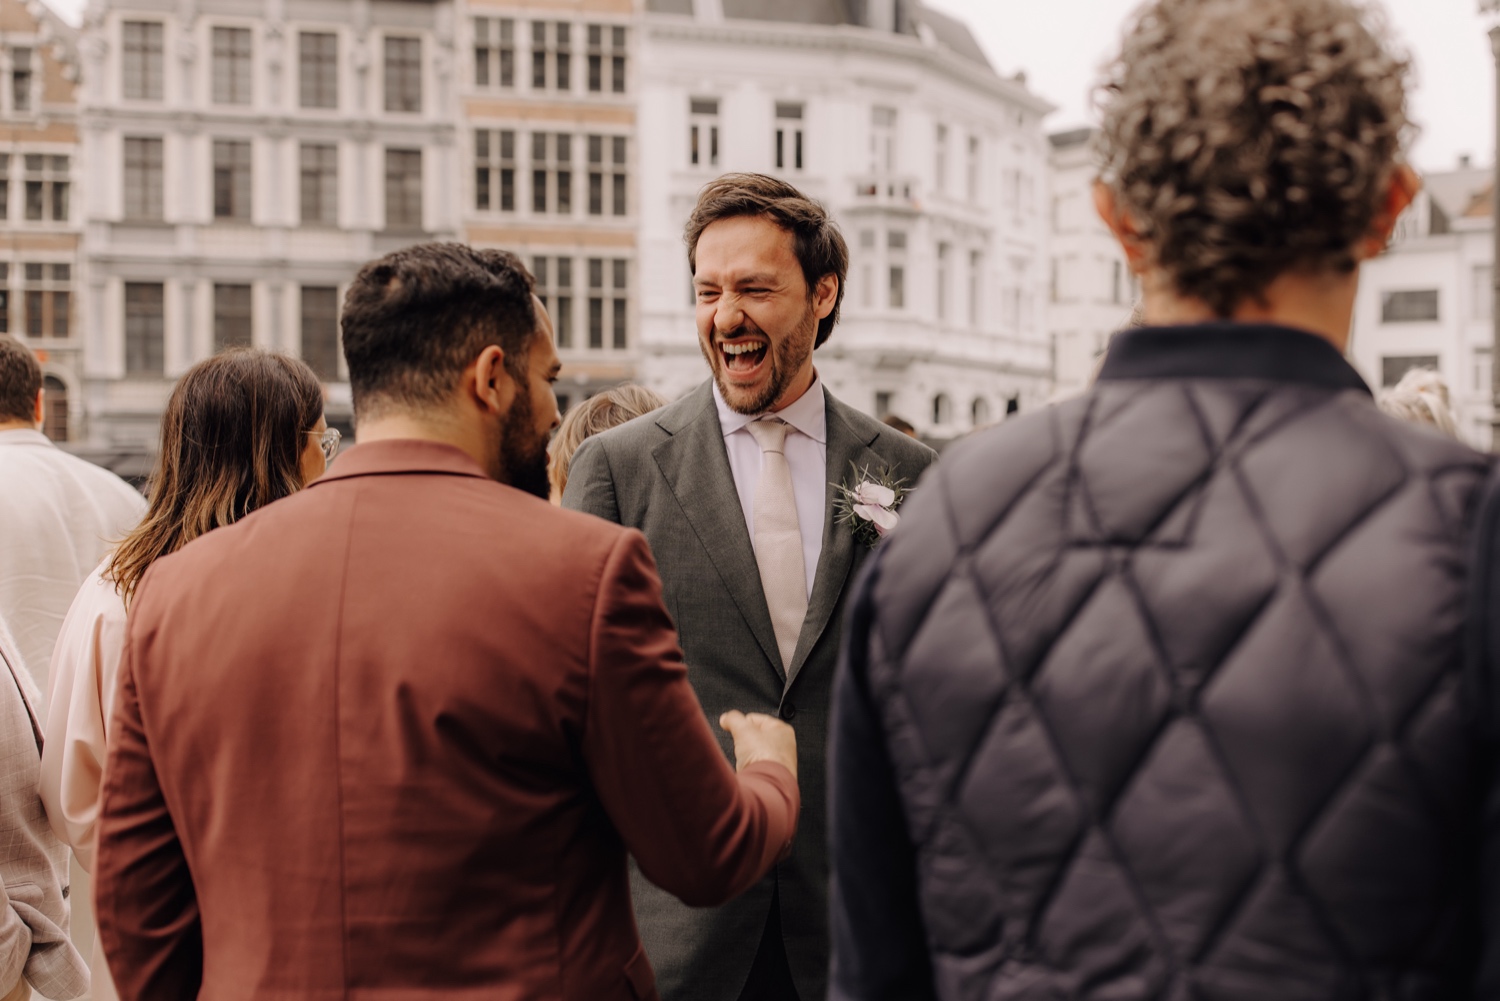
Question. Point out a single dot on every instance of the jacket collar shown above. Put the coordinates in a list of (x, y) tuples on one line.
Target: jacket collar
[(397, 456), (1229, 351), (25, 436)]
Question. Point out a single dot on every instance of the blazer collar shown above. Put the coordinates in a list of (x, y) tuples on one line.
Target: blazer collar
[(403, 455), (1229, 351)]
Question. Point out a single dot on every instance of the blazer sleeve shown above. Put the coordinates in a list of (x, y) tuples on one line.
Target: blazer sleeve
[(879, 942), (144, 899), (698, 830), (591, 483)]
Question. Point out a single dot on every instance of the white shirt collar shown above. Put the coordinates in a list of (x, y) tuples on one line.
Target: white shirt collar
[(807, 413), (24, 436)]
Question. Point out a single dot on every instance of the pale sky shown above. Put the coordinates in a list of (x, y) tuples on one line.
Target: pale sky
[(1060, 44)]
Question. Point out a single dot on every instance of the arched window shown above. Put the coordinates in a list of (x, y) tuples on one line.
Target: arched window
[(942, 410), (980, 411), (55, 414)]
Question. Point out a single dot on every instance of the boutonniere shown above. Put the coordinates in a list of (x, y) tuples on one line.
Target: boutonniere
[(867, 504)]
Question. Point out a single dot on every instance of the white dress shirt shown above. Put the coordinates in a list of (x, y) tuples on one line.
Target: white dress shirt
[(59, 516), (806, 455)]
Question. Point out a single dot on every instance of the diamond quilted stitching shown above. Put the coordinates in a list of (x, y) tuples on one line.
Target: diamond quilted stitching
[(1017, 801), (1210, 591), (1168, 458), (1373, 861), (1285, 762), (1094, 929), (1225, 408), (1185, 838), (1289, 483), (1102, 692), (1401, 653), (952, 689)]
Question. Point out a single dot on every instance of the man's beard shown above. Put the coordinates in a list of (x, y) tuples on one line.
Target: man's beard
[(523, 453), (786, 358)]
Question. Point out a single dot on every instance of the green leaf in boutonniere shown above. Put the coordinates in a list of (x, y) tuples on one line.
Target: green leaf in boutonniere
[(867, 503)]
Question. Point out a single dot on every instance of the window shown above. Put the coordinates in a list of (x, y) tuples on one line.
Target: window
[(232, 319), (142, 62), (788, 135), (1409, 307), (979, 412), (20, 80), (883, 399), (942, 409), (976, 286), (1117, 283), (606, 55), (47, 187), (1010, 308), (232, 179), (940, 161), (554, 286), (944, 252), (607, 303), (4, 297), (495, 170), (703, 132), (1481, 284), (606, 175), (552, 173), (494, 52), (231, 65), (1393, 367), (551, 43), (895, 245), (320, 330), (319, 184), (318, 69), (403, 74), (143, 179), (971, 170), (897, 286), (403, 189), (48, 299), (144, 328), (4, 185), (55, 418), (882, 140)]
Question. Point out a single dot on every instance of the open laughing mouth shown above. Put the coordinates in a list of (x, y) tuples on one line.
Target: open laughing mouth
[(743, 358)]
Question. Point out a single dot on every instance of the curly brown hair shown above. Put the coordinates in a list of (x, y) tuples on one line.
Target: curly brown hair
[(1245, 139)]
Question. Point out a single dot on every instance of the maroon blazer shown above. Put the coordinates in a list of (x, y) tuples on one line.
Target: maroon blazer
[(396, 734)]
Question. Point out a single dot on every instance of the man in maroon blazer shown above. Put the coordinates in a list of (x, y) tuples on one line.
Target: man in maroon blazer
[(393, 736)]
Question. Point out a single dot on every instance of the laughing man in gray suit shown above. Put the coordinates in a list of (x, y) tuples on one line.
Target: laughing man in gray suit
[(732, 487)]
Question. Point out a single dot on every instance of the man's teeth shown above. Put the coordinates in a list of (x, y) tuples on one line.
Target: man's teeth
[(740, 349)]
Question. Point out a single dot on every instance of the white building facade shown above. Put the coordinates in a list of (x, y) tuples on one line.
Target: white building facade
[(933, 164), (1427, 301), (1091, 290), (243, 160)]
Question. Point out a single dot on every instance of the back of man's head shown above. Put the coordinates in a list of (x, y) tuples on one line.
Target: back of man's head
[(1244, 140), (20, 381), (415, 319)]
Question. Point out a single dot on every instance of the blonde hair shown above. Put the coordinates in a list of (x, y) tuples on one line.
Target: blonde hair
[(601, 412), (1422, 398)]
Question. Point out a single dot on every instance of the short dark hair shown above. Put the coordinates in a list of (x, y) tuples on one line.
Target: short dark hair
[(819, 245), (20, 380), (416, 318)]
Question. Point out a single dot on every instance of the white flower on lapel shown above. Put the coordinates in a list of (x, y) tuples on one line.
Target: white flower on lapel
[(869, 507)]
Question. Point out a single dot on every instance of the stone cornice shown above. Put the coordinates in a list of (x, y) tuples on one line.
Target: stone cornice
[(845, 38)]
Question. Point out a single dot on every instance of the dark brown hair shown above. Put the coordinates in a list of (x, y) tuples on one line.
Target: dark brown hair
[(819, 245), (416, 318), (232, 438), (1245, 139), (20, 380)]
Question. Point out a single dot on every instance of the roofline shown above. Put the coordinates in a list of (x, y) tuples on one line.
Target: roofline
[(846, 38)]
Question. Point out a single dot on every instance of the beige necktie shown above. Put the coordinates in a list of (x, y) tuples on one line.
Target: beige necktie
[(778, 538)]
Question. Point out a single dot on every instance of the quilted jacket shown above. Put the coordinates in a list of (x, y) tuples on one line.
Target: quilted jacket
[(1159, 693)]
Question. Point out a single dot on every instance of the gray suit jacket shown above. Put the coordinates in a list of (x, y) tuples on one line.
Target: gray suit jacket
[(668, 475)]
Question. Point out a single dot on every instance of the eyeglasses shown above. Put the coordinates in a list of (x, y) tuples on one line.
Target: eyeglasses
[(328, 441)]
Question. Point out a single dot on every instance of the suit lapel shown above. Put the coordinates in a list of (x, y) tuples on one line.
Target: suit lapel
[(695, 464), (836, 558)]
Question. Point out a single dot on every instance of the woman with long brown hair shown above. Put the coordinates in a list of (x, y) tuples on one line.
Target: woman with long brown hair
[(241, 429)]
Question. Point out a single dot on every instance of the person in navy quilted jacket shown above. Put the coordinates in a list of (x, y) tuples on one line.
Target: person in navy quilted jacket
[(1162, 692)]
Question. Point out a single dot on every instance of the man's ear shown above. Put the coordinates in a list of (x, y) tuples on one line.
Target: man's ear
[(492, 386), (1400, 191), (39, 409), (825, 295), (1121, 225)]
